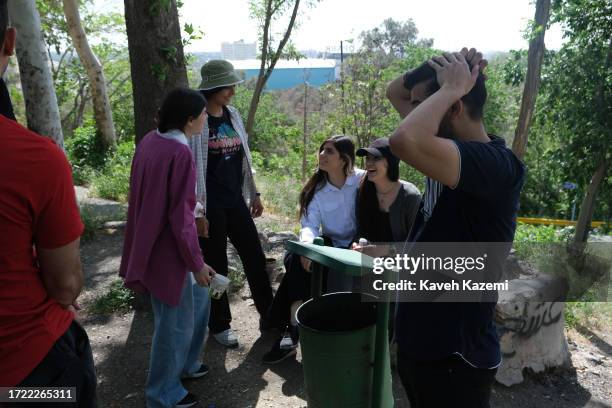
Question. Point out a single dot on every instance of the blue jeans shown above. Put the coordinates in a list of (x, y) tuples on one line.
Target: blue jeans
[(177, 342)]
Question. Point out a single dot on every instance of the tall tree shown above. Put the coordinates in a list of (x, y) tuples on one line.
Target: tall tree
[(266, 12), (97, 82), (584, 69), (534, 66), (365, 112), (156, 56), (42, 112), (577, 93), (393, 38), (72, 84)]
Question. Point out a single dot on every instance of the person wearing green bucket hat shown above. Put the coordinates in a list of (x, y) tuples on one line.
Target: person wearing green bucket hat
[(218, 74), (228, 196)]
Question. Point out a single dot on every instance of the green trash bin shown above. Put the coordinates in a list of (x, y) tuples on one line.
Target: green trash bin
[(337, 337)]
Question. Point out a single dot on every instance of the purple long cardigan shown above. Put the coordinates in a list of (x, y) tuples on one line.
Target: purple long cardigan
[(161, 241)]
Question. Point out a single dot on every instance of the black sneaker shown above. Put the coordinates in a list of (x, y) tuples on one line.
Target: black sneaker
[(190, 401), (276, 355), (201, 372)]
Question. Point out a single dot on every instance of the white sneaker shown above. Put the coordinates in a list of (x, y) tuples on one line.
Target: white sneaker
[(290, 339), (227, 338)]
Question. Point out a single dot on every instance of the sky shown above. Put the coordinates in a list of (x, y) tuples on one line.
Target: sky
[(488, 25)]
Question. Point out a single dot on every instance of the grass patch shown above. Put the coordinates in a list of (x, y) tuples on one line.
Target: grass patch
[(117, 299), (235, 273), (113, 182), (588, 314), (280, 194), (92, 224), (532, 243)]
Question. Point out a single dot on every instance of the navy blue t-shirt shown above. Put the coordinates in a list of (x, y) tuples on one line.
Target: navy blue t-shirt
[(482, 208)]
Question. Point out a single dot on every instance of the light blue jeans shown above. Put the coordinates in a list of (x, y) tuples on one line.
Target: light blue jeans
[(177, 342)]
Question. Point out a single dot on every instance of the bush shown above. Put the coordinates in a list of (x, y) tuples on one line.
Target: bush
[(86, 153), (113, 182), (117, 299), (280, 194), (91, 222)]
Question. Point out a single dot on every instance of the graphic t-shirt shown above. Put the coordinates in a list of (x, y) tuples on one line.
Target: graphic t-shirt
[(224, 168)]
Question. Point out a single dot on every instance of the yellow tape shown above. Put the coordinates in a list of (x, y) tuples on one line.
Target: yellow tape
[(551, 221)]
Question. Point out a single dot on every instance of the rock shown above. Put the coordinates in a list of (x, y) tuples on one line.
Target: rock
[(531, 329), (596, 359), (280, 238), (271, 269), (263, 238), (114, 225)]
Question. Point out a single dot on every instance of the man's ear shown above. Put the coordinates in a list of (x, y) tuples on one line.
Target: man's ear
[(8, 48), (456, 109)]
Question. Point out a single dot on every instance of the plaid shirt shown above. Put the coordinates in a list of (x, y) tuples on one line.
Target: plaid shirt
[(199, 147)]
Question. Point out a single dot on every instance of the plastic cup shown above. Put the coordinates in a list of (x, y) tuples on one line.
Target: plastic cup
[(218, 286)]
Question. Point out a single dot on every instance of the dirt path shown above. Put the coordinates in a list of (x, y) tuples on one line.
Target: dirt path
[(238, 379)]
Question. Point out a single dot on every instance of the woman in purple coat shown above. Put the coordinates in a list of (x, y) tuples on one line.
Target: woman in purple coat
[(161, 254)]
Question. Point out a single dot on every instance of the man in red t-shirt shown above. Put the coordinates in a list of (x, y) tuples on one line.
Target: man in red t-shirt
[(41, 345)]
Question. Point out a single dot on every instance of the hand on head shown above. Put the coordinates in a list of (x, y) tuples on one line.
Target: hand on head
[(458, 70)]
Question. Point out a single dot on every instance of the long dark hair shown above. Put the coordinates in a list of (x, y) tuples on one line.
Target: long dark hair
[(346, 148), (179, 105), (367, 202)]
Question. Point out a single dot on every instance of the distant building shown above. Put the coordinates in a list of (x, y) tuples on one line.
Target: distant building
[(288, 74), (238, 50)]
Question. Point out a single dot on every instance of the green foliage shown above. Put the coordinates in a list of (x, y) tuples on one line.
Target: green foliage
[(92, 224), (529, 234), (280, 194), (85, 152), (573, 117), (588, 313), (531, 240), (365, 112), (106, 35), (118, 299), (393, 38), (113, 182), (503, 100)]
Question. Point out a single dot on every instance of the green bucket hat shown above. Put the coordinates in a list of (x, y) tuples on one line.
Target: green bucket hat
[(218, 73)]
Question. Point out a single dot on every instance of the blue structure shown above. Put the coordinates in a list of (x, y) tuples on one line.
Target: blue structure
[(288, 74), (285, 78)]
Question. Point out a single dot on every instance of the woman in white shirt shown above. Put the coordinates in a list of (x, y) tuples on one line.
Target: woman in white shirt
[(327, 209)]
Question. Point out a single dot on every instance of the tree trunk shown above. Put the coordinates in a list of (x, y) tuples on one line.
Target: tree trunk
[(588, 203), (262, 69), (264, 73), (585, 213), (532, 82), (97, 83), (305, 136), (156, 57), (42, 112)]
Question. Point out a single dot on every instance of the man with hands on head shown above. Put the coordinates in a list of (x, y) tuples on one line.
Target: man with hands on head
[(448, 353)]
